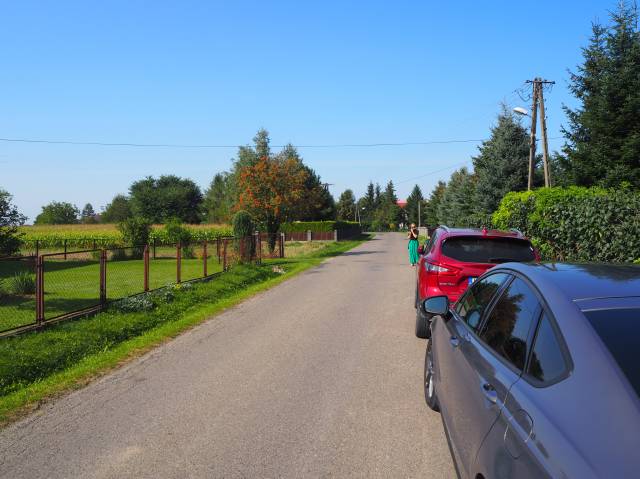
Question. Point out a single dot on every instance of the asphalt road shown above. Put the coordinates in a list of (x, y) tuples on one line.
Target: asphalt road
[(318, 377)]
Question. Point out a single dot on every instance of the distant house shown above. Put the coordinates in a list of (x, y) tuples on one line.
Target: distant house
[(402, 203)]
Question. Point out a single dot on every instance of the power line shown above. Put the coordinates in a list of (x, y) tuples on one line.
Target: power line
[(176, 145)]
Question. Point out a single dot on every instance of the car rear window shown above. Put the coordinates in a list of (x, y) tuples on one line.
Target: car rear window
[(619, 330), (473, 249)]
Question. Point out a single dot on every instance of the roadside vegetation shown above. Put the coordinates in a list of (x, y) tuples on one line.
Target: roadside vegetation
[(39, 365)]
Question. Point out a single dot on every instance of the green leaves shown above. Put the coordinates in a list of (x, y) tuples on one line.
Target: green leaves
[(576, 223)]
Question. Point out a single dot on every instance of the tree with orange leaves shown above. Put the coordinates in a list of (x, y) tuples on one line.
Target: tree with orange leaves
[(269, 189)]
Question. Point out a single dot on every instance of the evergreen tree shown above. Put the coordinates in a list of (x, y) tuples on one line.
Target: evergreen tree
[(388, 214), (432, 205), (603, 135), (415, 204), (218, 199), (458, 202), (503, 163), (346, 207), (368, 204)]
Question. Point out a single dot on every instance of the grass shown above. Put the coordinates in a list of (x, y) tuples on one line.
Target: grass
[(39, 366)]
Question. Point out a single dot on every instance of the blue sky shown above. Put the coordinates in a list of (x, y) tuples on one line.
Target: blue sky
[(310, 72)]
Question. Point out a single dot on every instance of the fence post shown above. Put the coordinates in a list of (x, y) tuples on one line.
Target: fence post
[(282, 245), (178, 262), (146, 267), (258, 252), (39, 290), (204, 258), (335, 235), (309, 235), (154, 248), (224, 254), (103, 277), (65, 249), (218, 248)]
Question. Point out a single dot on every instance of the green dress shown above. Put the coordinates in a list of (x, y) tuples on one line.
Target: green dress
[(413, 251)]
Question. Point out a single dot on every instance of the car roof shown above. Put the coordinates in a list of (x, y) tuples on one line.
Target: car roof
[(481, 232), (584, 282)]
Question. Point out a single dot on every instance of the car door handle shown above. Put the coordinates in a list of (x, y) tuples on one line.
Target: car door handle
[(454, 341), (490, 393)]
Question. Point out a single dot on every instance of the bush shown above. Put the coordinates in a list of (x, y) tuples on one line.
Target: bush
[(175, 232), (135, 232), (576, 223), (243, 228), (317, 226), (19, 284)]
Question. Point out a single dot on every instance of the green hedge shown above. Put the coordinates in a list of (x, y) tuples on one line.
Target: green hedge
[(317, 226), (576, 223)]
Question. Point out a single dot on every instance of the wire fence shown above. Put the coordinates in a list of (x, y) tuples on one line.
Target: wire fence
[(37, 290)]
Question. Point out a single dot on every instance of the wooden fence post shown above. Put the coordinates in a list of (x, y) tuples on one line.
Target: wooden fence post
[(204, 259), (224, 254), (103, 277), (39, 290), (146, 267), (335, 235), (281, 245), (178, 262)]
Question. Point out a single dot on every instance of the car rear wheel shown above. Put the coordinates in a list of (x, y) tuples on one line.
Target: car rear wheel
[(423, 331), (430, 395)]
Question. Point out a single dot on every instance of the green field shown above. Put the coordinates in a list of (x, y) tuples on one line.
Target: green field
[(74, 283)]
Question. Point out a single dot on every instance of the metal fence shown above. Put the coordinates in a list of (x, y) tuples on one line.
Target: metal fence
[(37, 290)]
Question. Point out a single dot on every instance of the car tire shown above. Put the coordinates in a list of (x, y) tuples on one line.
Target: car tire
[(430, 395), (423, 329)]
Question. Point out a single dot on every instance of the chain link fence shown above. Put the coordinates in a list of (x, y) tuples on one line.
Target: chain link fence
[(35, 290)]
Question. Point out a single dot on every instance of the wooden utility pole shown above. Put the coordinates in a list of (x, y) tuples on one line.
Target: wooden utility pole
[(538, 98), (545, 144), (532, 138)]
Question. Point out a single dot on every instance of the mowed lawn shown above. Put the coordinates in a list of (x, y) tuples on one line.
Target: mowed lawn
[(74, 283)]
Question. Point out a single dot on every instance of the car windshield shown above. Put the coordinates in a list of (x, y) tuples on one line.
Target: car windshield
[(474, 249), (619, 330)]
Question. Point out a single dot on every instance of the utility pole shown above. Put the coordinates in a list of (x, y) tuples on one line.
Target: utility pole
[(545, 144), (532, 137), (538, 98)]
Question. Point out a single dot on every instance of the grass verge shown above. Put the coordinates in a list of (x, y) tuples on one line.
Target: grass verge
[(36, 367)]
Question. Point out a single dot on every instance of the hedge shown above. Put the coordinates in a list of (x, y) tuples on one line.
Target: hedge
[(317, 226), (576, 223)]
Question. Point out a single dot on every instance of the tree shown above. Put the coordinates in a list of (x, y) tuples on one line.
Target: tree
[(58, 213), (415, 204), (503, 163), (368, 204), (159, 200), (218, 199), (603, 136), (346, 208), (388, 214), (117, 211), (457, 206), (270, 190), (432, 205), (10, 219), (88, 215)]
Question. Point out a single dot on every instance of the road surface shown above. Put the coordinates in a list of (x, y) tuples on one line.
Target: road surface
[(318, 377)]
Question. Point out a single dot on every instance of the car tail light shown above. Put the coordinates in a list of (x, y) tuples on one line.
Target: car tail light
[(434, 268)]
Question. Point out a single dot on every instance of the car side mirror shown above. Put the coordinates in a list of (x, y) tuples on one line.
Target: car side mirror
[(421, 249), (436, 305)]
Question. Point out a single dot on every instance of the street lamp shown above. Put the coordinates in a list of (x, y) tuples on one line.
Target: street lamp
[(521, 111)]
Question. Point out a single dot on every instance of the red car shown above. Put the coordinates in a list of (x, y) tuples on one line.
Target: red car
[(454, 257)]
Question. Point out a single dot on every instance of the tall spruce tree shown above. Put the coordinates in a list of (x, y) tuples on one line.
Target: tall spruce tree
[(432, 205), (503, 163), (346, 207), (415, 206), (603, 135), (457, 207)]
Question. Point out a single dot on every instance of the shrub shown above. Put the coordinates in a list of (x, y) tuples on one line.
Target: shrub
[(175, 232), (22, 283), (243, 228), (135, 232), (576, 223)]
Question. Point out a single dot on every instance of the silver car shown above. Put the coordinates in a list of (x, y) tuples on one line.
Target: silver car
[(536, 371)]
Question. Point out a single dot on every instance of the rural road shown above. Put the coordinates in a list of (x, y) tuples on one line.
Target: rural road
[(318, 377)]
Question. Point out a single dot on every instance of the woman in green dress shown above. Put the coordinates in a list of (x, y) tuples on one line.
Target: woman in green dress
[(413, 244)]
